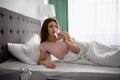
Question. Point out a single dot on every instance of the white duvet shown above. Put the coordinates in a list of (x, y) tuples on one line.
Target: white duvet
[(95, 53), (104, 54)]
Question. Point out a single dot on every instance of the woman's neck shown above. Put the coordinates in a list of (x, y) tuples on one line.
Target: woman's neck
[(52, 39)]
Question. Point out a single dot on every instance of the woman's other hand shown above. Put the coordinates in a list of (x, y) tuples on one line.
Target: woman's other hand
[(48, 64)]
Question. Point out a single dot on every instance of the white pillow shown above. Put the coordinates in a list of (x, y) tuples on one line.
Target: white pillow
[(28, 52), (17, 51), (33, 47)]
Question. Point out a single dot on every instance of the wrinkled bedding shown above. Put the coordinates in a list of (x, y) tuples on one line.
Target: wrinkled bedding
[(95, 53), (107, 55)]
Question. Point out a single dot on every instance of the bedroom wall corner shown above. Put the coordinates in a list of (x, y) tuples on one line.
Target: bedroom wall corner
[(31, 9)]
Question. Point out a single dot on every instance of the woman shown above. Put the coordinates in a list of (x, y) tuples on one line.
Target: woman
[(69, 50), (51, 45)]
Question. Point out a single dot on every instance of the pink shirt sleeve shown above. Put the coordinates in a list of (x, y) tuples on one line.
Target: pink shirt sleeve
[(42, 47)]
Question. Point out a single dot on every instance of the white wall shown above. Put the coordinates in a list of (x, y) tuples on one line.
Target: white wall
[(31, 8)]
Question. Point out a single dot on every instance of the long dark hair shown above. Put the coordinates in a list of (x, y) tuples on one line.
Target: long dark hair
[(44, 30)]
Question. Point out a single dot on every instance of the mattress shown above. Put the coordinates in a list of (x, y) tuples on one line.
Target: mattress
[(68, 70)]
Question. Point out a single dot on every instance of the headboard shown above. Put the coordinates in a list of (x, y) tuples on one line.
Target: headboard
[(15, 28)]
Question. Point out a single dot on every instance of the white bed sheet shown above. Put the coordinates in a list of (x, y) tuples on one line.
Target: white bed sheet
[(68, 70)]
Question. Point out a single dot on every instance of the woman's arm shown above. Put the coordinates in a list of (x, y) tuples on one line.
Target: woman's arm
[(44, 61), (72, 45)]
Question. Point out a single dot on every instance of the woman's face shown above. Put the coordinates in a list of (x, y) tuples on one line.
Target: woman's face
[(52, 26)]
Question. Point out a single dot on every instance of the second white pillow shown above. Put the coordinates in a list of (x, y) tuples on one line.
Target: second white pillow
[(28, 52)]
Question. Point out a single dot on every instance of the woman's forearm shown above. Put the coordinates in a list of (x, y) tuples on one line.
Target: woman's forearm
[(73, 47), (41, 62)]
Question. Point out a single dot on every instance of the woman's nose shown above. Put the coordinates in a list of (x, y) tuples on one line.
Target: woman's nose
[(55, 28)]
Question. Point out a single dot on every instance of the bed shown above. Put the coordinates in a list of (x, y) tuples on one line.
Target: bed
[(17, 28)]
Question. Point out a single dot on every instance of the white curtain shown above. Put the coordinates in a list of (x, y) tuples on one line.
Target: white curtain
[(95, 20)]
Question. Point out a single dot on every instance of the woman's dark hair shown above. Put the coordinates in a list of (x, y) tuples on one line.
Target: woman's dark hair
[(44, 30)]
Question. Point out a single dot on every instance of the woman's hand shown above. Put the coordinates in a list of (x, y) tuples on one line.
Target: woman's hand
[(47, 64), (62, 36)]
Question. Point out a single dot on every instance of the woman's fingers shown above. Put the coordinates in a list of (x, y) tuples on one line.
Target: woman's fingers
[(62, 36), (50, 65)]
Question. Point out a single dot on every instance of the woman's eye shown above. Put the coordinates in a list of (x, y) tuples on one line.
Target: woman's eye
[(51, 26), (56, 26)]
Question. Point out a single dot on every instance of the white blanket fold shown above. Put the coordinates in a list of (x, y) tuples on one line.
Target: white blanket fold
[(95, 53), (104, 54)]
